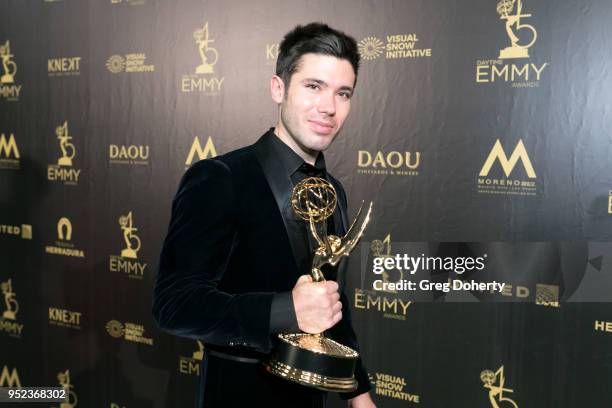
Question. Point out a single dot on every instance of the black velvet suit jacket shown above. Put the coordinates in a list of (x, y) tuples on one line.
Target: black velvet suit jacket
[(228, 250)]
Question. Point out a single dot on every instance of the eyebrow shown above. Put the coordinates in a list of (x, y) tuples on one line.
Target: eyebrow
[(323, 83)]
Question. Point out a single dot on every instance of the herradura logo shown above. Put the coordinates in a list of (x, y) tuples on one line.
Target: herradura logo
[(511, 183), (514, 64), (64, 245)]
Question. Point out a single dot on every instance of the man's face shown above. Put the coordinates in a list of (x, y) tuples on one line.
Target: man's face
[(317, 102)]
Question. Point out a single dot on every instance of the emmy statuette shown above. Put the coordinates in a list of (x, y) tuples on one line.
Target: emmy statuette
[(314, 360)]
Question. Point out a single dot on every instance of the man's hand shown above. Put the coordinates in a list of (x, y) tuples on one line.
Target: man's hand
[(317, 304), (361, 401)]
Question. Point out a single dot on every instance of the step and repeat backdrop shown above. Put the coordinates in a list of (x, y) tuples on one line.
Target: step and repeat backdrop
[(480, 129)]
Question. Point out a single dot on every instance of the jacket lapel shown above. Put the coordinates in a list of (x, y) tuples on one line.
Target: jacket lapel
[(281, 186), (342, 205)]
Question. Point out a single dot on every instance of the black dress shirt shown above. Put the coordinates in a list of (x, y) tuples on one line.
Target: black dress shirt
[(282, 314)]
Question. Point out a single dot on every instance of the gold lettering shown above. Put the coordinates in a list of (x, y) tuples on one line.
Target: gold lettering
[(523, 71), (8, 147), (365, 158), (359, 299), (9, 379), (481, 70), (539, 71), (391, 304), (503, 71), (379, 160), (522, 292), (271, 51), (208, 151), (497, 153)]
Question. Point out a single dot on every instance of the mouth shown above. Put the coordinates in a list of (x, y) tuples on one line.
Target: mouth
[(323, 128)]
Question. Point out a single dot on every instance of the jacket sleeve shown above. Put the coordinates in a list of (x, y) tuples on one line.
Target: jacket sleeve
[(195, 253)]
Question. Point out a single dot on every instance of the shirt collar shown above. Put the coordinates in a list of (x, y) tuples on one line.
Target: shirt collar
[(290, 160)]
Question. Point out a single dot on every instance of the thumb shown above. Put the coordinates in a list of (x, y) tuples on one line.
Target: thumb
[(304, 279)]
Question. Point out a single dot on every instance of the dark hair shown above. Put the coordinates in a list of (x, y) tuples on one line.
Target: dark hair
[(314, 38)]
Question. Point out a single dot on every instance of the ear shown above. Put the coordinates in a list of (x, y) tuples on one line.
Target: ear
[(277, 89)]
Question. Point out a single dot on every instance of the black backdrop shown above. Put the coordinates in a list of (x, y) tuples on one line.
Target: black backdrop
[(467, 145)]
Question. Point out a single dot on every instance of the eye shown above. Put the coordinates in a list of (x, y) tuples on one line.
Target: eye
[(345, 95), (313, 86)]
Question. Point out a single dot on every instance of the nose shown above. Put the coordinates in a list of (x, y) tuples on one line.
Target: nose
[(327, 103)]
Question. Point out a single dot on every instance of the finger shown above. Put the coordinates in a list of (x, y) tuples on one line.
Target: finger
[(335, 297), (337, 307), (337, 317), (331, 286), (304, 279)]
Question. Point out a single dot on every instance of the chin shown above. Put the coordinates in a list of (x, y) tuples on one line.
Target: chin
[(319, 146)]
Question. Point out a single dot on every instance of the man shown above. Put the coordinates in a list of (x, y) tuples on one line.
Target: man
[(231, 263)]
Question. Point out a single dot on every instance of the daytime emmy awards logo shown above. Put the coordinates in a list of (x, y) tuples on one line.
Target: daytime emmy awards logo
[(127, 262), (64, 381), (10, 300), (8, 89), (68, 150), (522, 37), (191, 365), (209, 55), (515, 50), (382, 249), (496, 391), (8, 320), (9, 66), (63, 171), (202, 80), (132, 241)]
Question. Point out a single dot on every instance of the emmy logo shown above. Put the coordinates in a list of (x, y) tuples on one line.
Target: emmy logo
[(382, 249), (125, 221), (496, 392), (64, 382), (68, 150), (10, 300), (201, 38), (10, 68), (199, 355), (504, 8)]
